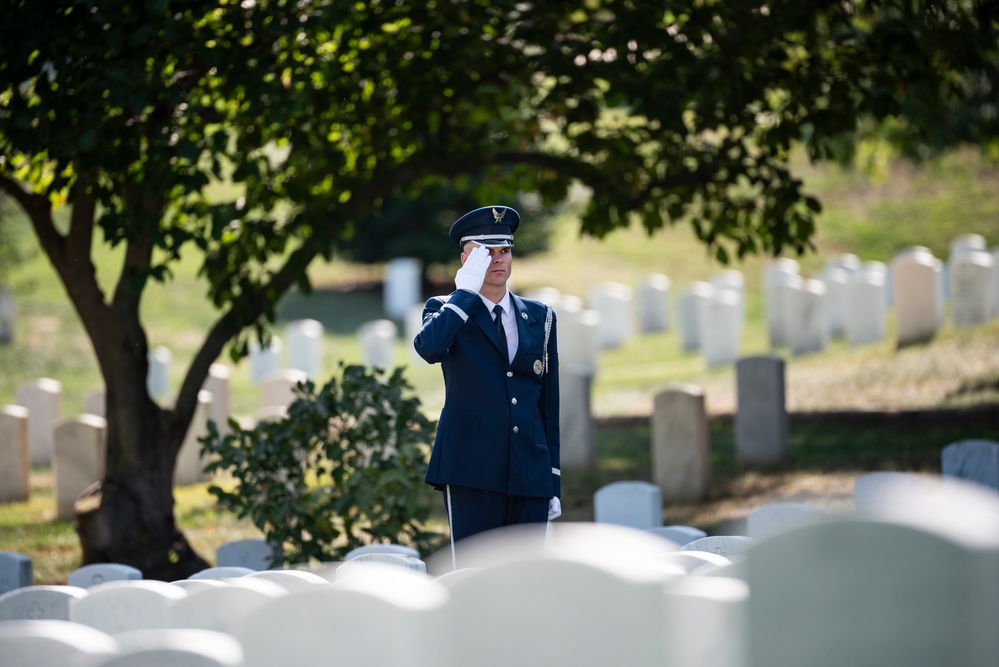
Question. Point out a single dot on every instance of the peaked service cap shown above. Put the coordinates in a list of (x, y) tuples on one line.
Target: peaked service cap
[(489, 226)]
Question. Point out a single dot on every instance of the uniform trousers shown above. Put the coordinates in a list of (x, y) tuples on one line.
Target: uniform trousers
[(474, 511)]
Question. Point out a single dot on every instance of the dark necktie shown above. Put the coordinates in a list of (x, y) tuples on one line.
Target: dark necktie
[(500, 329)]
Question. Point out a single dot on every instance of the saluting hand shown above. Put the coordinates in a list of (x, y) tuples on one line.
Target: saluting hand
[(473, 272)]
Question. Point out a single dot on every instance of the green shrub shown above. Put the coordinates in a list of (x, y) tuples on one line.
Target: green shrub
[(343, 469)]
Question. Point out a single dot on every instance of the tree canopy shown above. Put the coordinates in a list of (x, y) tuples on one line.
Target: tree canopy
[(134, 115)]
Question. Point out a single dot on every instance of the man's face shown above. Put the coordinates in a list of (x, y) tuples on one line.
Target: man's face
[(501, 260)]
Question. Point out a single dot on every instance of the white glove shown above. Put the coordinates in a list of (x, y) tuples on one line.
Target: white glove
[(554, 509), (473, 271)]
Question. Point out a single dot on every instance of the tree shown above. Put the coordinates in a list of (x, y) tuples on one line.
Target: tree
[(321, 111)]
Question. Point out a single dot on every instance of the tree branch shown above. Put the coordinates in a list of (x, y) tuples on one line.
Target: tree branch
[(39, 211), (596, 177), (240, 314)]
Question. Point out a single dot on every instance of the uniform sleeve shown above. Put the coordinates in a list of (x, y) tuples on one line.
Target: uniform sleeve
[(442, 318), (550, 408)]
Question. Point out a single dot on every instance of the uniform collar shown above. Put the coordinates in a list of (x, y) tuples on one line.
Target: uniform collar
[(506, 302)]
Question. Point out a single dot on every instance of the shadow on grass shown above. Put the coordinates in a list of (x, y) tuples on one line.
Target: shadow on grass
[(623, 452)]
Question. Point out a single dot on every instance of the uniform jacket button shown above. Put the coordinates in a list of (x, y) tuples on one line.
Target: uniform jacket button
[(516, 429), (514, 401)]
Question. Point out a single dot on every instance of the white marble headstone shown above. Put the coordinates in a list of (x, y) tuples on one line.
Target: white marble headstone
[(217, 383), (95, 402), (15, 571), (693, 298), (119, 606), (190, 465), (254, 553), (91, 575), (653, 301), (973, 461), (158, 378), (278, 388), (176, 647), (807, 318), (7, 315), (917, 295), (403, 286), (575, 617), (220, 608), (971, 284), (855, 592), (346, 623), (78, 459), (776, 276), (837, 281), (867, 311), (378, 343), (774, 518), (681, 460), (577, 428), (678, 534), (15, 454), (614, 302), (44, 642), (729, 546), (578, 339), (43, 398), (264, 361), (720, 327), (39, 602), (761, 420), (628, 503), (305, 346)]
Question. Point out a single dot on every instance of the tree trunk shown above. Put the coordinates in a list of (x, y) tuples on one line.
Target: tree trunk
[(129, 517)]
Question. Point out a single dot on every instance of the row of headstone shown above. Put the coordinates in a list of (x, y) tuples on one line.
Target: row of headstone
[(680, 447), (710, 318), (77, 457), (74, 446), (248, 608), (680, 457), (613, 310), (242, 556), (910, 578), (849, 298), (679, 427), (304, 341)]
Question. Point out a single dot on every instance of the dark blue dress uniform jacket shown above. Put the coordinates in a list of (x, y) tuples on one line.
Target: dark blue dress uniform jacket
[(499, 428)]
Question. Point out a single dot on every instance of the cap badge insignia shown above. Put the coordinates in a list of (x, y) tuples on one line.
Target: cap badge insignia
[(498, 215)]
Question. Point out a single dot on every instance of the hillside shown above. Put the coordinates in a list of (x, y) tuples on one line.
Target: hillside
[(870, 216)]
